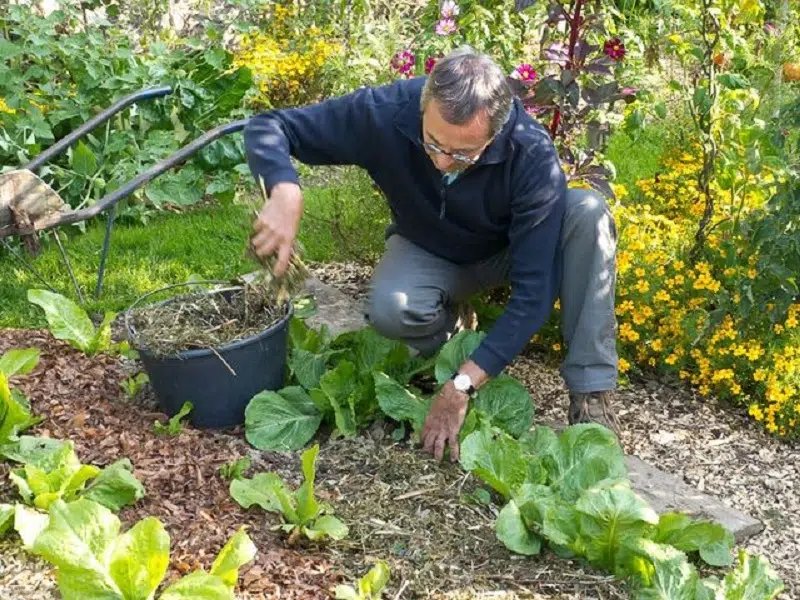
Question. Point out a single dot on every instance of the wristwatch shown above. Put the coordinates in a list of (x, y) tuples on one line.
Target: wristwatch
[(463, 383)]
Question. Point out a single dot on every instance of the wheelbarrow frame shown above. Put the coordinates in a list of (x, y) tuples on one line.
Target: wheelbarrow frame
[(110, 200)]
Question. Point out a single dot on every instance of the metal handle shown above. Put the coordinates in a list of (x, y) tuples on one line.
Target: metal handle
[(94, 122)]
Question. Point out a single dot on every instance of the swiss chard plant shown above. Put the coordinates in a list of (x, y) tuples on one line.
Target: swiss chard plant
[(301, 513), (174, 425), (93, 559), (52, 471)]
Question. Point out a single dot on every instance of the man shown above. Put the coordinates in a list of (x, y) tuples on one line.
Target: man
[(478, 198)]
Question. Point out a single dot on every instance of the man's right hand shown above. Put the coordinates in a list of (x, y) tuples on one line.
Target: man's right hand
[(277, 224)]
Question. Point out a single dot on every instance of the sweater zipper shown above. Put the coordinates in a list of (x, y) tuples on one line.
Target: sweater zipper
[(443, 195)]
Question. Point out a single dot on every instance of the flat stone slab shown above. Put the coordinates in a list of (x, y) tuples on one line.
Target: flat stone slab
[(664, 492)]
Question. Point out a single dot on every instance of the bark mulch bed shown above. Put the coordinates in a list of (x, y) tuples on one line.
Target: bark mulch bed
[(401, 506)]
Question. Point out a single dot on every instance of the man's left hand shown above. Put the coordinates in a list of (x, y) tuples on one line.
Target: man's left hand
[(444, 421)]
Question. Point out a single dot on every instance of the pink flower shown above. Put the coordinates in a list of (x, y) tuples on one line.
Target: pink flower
[(446, 26), (403, 62), (629, 91), (535, 111), (525, 72), (430, 62), (614, 49), (450, 9)]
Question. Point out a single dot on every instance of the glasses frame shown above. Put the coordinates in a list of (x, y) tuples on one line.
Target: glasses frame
[(457, 157)]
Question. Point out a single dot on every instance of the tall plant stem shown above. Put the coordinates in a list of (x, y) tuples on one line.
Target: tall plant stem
[(574, 30)]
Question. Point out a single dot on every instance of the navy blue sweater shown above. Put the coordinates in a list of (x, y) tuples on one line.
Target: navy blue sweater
[(512, 198)]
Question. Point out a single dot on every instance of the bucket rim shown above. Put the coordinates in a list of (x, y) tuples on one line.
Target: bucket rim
[(202, 352)]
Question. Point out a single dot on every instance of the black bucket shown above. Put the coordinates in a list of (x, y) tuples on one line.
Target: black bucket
[(221, 382)]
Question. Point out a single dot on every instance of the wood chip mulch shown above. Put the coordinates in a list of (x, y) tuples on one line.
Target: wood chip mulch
[(81, 400)]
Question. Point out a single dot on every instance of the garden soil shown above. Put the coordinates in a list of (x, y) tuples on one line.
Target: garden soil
[(401, 506)]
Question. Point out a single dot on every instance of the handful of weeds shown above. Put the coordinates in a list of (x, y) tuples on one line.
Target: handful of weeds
[(266, 285)]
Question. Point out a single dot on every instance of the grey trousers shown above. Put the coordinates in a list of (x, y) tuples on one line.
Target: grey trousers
[(414, 294)]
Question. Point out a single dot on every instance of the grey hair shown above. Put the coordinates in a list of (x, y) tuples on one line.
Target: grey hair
[(464, 83)]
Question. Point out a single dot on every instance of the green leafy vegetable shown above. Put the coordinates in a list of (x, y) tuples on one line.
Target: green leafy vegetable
[(54, 472), (455, 352), (340, 387), (586, 454), (19, 361), (116, 486), (15, 413), (752, 579), (608, 515), (370, 587), (94, 561), (500, 461), (69, 322), (300, 511), (173, 426), (40, 451), (713, 542), (514, 533), (399, 403), (283, 420), (547, 513), (6, 518), (235, 469), (507, 403), (663, 570)]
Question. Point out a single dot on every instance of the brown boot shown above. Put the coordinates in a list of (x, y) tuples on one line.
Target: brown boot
[(594, 407)]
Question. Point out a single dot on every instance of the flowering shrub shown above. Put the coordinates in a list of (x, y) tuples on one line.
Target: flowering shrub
[(686, 321), (285, 57)]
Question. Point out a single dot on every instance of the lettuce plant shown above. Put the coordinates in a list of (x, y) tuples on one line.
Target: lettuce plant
[(69, 322), (93, 559), (370, 587), (52, 471), (300, 511), (15, 411), (571, 491)]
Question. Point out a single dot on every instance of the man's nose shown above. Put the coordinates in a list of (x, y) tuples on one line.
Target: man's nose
[(443, 162)]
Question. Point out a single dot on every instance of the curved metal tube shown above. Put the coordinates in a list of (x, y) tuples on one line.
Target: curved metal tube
[(94, 122)]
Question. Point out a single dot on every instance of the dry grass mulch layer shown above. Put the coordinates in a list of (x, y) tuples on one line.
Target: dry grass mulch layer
[(400, 505)]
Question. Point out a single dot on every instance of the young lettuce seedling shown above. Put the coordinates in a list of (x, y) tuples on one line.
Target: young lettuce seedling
[(300, 512)]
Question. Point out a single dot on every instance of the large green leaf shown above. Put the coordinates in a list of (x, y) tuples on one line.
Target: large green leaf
[(510, 529), (608, 515), (308, 367), (455, 352), (67, 320), (116, 486), (29, 523), (283, 420), (713, 542), (398, 403), (327, 526), (84, 161), (546, 512), (39, 451), (140, 559), (6, 518), (307, 506), (79, 538), (587, 454), (259, 490), (15, 416), (341, 387), (19, 361), (198, 586), (500, 461), (372, 584), (508, 404), (237, 552)]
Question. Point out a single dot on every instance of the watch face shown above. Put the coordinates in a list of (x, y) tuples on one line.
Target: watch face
[(462, 382)]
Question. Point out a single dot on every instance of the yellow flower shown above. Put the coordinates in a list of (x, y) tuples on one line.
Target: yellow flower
[(5, 108), (557, 347), (624, 365)]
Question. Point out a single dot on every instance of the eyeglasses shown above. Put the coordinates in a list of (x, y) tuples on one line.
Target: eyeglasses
[(460, 158)]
